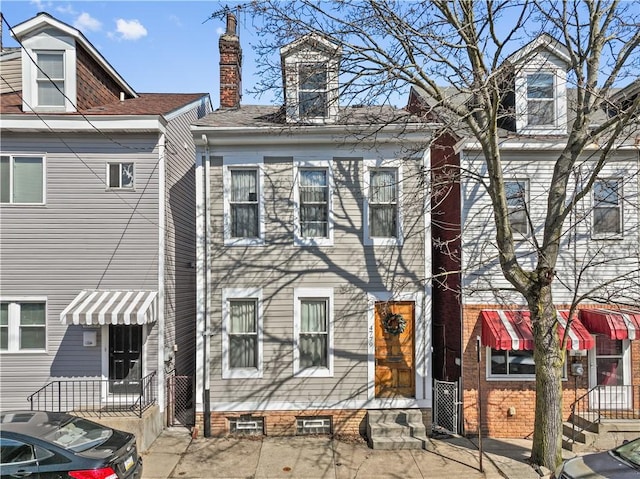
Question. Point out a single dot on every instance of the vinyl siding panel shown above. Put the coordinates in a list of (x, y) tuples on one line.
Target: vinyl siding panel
[(11, 75), (180, 238), (84, 237), (349, 267), (584, 262)]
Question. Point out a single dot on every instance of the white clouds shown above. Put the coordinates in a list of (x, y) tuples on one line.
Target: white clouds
[(86, 22), (130, 29), (68, 9)]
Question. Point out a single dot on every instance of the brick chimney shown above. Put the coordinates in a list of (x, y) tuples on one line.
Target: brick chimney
[(230, 66)]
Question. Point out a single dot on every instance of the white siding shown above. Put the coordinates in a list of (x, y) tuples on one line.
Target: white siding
[(600, 261)]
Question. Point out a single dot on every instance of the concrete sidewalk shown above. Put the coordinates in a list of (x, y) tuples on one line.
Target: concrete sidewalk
[(175, 455)]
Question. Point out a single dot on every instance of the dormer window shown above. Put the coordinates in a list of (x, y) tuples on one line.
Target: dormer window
[(310, 66), (312, 90), (540, 99), (50, 79)]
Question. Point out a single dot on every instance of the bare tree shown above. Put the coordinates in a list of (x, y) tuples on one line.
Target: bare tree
[(454, 53)]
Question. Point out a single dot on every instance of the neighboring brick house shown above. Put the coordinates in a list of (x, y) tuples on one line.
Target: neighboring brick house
[(97, 231), (313, 236), (601, 245)]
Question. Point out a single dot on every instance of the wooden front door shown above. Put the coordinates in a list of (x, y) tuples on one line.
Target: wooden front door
[(394, 350)]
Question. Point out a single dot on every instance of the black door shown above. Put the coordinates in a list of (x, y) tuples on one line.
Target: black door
[(125, 359)]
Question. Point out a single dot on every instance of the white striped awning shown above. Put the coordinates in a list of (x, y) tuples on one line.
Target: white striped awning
[(111, 307)]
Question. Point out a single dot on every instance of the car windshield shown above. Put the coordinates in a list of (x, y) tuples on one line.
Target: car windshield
[(79, 435), (630, 452)]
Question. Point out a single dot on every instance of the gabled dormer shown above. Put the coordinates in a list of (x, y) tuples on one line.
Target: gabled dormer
[(310, 67), (536, 86), (61, 70)]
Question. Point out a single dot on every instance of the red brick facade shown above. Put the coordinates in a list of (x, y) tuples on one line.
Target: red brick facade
[(230, 66), (508, 407), (348, 422)]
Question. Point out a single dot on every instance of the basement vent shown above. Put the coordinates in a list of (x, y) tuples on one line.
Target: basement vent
[(313, 425), (244, 425)]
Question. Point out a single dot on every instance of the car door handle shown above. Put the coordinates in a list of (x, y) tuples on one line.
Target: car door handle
[(22, 474)]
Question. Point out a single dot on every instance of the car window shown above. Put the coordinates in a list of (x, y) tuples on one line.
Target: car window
[(15, 452), (630, 452), (79, 435)]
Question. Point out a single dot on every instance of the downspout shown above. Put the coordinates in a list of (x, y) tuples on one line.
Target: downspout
[(427, 311), (161, 264), (202, 284)]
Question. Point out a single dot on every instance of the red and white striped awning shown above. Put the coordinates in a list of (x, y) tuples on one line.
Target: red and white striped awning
[(111, 307), (614, 323), (511, 330)]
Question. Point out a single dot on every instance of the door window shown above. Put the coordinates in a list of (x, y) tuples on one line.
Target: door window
[(609, 361), (125, 358)]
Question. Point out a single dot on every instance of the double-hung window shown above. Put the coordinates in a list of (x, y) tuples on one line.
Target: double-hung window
[(313, 332), (312, 90), (50, 78), (383, 223), (607, 207), (242, 333), (540, 99), (516, 192), (243, 209), (120, 175), (23, 326), (313, 217), (22, 179)]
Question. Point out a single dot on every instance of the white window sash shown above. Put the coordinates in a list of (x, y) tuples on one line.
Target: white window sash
[(312, 164), (14, 326), (372, 165), (312, 294), (229, 239)]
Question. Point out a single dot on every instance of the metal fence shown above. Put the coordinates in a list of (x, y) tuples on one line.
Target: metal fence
[(98, 396), (180, 410), (445, 406)]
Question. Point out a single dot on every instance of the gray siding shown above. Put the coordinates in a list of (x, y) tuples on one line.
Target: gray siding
[(180, 237), (349, 267), (84, 237), (11, 75)]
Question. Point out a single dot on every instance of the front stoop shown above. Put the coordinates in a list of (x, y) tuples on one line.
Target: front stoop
[(394, 429)]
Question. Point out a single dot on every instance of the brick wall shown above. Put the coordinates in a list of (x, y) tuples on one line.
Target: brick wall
[(497, 397), (348, 422), (446, 263), (95, 86)]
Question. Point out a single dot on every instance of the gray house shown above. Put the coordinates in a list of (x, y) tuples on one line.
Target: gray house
[(314, 256), (97, 231)]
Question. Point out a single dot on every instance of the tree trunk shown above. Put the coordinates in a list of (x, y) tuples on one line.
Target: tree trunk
[(549, 359)]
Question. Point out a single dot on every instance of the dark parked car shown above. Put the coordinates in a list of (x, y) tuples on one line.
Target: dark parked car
[(49, 445), (622, 462)]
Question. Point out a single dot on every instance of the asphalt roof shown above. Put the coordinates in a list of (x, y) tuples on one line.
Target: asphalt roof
[(145, 104)]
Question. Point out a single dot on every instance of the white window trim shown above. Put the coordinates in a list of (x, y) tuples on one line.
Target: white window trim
[(312, 164), (42, 44), (489, 376), (226, 173), (240, 294), (368, 165), (307, 293), (44, 178), (120, 188), (14, 324), (608, 235), (559, 125)]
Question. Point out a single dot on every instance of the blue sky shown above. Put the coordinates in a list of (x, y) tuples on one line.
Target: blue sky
[(157, 46)]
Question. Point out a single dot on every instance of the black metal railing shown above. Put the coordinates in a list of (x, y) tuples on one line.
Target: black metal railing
[(97, 396), (603, 403)]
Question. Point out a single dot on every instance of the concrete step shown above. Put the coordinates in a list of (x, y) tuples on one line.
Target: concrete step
[(396, 443), (397, 430), (399, 416)]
